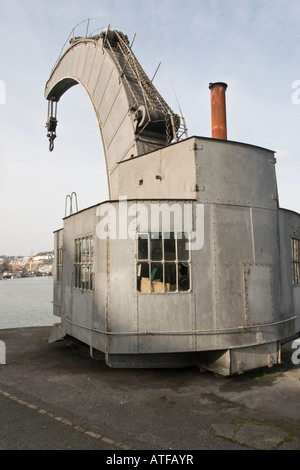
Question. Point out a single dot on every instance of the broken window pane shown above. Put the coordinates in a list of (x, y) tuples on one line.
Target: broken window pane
[(183, 277), (143, 280), (168, 268)]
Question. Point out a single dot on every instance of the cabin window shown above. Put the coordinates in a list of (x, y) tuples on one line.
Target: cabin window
[(296, 261), (83, 263), (59, 257), (163, 263)]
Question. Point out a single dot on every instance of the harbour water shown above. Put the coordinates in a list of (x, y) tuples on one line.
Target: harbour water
[(26, 302)]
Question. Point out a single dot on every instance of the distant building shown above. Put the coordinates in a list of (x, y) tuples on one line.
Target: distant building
[(47, 255)]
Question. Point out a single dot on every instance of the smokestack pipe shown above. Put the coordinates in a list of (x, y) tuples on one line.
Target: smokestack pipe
[(218, 110)]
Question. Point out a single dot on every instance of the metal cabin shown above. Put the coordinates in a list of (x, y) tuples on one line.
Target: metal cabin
[(191, 261)]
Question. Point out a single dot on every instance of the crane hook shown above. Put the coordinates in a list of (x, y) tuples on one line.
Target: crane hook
[(51, 123)]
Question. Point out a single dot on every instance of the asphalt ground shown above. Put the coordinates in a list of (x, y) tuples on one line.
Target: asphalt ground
[(55, 397), (26, 428)]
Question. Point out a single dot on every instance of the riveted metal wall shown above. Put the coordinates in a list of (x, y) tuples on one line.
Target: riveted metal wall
[(241, 295)]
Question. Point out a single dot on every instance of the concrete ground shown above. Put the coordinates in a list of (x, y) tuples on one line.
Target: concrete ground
[(54, 396)]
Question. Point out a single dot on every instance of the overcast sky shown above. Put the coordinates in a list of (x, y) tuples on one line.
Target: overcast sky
[(252, 45)]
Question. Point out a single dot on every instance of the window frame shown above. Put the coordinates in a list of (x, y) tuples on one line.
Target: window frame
[(83, 264), (59, 264), (162, 286)]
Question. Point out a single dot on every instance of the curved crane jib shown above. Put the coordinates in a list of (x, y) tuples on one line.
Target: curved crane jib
[(132, 116)]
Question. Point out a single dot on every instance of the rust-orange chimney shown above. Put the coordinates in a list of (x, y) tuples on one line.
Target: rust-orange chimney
[(218, 110)]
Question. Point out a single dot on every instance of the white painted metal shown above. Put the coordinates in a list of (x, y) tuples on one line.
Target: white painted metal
[(242, 303)]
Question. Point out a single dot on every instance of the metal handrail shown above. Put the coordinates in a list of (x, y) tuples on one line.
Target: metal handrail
[(69, 197)]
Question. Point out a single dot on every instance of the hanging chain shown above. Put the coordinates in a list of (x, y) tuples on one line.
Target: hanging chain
[(51, 122)]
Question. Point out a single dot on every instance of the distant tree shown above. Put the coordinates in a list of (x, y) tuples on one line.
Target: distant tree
[(5, 266)]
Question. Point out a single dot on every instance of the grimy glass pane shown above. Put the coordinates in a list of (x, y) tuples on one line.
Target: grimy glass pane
[(92, 249), (169, 247), (83, 250), (183, 277), (170, 277), (156, 247), (156, 271), (182, 247), (87, 278), (76, 251), (79, 251), (83, 277), (296, 273), (91, 280), (88, 249), (293, 249), (143, 247), (157, 277)]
